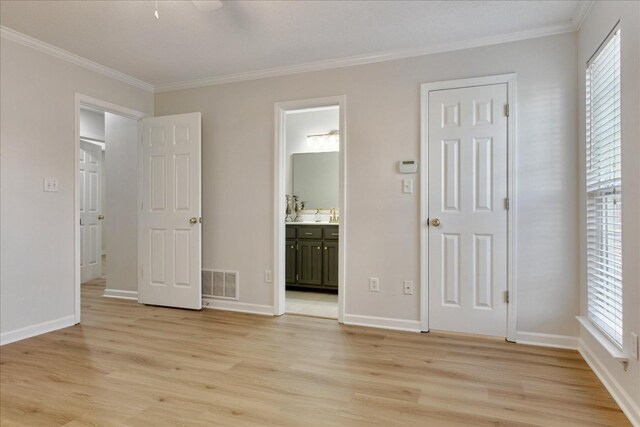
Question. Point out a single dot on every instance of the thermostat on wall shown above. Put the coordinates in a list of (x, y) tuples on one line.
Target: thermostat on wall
[(408, 166)]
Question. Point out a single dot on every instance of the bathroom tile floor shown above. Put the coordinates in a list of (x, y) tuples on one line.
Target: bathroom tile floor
[(315, 304)]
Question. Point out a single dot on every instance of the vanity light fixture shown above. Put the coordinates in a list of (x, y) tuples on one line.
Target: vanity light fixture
[(326, 140)]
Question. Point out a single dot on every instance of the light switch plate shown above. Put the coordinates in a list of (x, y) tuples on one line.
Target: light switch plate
[(408, 287), (407, 186), (51, 185), (268, 278)]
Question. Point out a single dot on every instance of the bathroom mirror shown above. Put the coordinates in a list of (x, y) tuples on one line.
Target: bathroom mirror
[(316, 179)]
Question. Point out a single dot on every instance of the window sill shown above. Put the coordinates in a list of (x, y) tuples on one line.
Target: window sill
[(611, 348)]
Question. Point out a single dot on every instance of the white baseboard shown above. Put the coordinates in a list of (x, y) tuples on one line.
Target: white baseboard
[(116, 293), (382, 322), (241, 307), (39, 329), (547, 340), (622, 398)]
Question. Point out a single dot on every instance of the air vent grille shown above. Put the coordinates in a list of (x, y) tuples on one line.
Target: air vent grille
[(220, 284)]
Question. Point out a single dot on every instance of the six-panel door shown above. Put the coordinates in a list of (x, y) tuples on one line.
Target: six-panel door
[(90, 211), (467, 175), (170, 229)]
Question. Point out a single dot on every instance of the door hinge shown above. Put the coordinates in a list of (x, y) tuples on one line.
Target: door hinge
[(506, 297), (506, 110), (506, 203), (296, 250), (297, 277)]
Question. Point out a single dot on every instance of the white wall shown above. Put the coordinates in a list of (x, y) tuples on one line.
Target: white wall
[(91, 124), (383, 123), (301, 124), (37, 140), (120, 224), (602, 17)]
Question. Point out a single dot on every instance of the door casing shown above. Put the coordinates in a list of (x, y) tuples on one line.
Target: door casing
[(425, 88), (279, 170), (88, 101)]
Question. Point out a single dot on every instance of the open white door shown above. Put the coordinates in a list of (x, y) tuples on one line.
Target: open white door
[(169, 232), (90, 211)]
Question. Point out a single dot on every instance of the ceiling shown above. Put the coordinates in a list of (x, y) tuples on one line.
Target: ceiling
[(245, 37)]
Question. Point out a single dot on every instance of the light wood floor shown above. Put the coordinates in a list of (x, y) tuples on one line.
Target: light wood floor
[(129, 364)]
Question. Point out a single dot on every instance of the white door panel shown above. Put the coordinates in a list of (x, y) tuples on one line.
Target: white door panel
[(467, 187), (169, 241), (90, 209)]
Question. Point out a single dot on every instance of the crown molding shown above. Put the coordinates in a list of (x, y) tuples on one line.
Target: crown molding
[(366, 59), (582, 9), (43, 47)]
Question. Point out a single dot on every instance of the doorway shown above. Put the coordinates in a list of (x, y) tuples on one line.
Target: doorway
[(309, 211), (468, 206), (107, 202)]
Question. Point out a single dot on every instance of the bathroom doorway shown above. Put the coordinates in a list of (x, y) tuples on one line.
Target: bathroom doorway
[(309, 212)]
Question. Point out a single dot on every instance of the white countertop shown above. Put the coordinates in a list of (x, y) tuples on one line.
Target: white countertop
[(311, 223)]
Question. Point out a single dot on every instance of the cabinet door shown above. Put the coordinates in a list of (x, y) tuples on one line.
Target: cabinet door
[(309, 262), (330, 264), (290, 261)]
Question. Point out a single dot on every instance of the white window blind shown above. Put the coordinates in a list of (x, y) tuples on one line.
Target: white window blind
[(603, 179)]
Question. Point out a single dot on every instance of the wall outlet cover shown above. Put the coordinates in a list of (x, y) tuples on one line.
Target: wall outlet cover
[(50, 185), (268, 278), (374, 284)]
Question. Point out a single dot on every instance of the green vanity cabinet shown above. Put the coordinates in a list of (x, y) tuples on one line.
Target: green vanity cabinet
[(312, 256), (290, 261)]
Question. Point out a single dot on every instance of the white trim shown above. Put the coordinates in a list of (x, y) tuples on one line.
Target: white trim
[(117, 293), (382, 322), (241, 307), (389, 55), (279, 148), (56, 52), (630, 408), (84, 100), (547, 340), (425, 88), (582, 9), (38, 329), (606, 343)]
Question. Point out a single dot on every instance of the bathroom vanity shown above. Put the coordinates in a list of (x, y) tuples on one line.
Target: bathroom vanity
[(312, 256)]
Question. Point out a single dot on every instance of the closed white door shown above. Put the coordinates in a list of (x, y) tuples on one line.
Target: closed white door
[(467, 211), (169, 236), (90, 211)]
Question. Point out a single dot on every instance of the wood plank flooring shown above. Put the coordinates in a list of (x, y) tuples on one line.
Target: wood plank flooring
[(135, 365)]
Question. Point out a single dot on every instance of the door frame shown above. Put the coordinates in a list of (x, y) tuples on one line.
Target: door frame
[(279, 172), (510, 80), (81, 100)]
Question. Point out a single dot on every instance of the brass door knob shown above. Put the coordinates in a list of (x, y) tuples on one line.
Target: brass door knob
[(435, 222), (100, 216), (193, 220)]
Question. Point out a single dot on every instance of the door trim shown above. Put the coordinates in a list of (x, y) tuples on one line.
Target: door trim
[(425, 88), (279, 238), (98, 104)]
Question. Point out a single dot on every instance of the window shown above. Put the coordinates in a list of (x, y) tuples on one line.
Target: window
[(604, 180)]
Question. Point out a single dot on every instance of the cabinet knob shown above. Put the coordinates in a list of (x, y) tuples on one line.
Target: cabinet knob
[(325, 248), (318, 247)]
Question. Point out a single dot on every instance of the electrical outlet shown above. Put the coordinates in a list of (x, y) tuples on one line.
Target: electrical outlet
[(634, 345), (408, 287), (51, 185), (268, 278), (374, 284)]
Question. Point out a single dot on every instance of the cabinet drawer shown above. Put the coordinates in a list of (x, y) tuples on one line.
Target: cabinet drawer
[(309, 232), (291, 232), (331, 233)]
